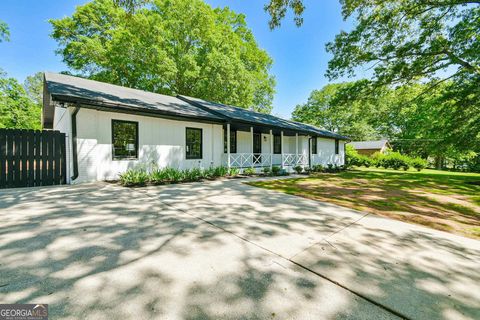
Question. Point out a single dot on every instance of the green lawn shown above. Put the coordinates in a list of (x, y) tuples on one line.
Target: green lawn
[(448, 201)]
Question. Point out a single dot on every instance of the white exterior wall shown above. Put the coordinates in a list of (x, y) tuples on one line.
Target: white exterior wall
[(161, 143), (326, 152), (63, 123)]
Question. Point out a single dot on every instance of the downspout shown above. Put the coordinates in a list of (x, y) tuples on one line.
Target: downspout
[(310, 152), (74, 143)]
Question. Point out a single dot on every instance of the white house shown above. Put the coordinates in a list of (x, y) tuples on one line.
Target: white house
[(111, 128)]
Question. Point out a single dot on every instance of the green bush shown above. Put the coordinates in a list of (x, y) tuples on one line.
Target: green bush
[(166, 175), (191, 175), (353, 158), (220, 172), (134, 177), (233, 172), (393, 160), (276, 170), (249, 171), (266, 170), (418, 163), (298, 169), (317, 168)]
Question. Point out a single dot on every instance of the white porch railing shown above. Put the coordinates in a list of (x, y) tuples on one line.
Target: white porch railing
[(246, 160)]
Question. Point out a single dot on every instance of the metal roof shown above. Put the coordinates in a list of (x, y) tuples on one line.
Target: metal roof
[(378, 144), (68, 88), (240, 114), (60, 85)]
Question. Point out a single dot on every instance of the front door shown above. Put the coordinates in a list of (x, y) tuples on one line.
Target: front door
[(257, 148)]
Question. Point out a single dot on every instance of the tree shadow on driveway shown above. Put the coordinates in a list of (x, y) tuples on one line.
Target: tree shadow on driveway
[(100, 251)]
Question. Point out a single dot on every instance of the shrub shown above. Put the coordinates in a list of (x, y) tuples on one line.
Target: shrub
[(395, 160), (249, 171), (158, 176), (191, 175), (353, 158), (220, 172), (134, 177), (276, 170), (418, 163), (318, 168), (166, 175), (233, 172), (209, 173), (298, 169), (266, 170)]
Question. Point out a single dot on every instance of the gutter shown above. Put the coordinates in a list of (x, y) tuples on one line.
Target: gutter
[(74, 143)]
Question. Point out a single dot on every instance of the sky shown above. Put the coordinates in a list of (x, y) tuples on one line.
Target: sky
[(298, 53)]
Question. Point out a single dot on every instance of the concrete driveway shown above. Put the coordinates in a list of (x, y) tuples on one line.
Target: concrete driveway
[(225, 250)]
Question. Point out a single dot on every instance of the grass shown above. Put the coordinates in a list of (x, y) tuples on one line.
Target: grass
[(448, 201)]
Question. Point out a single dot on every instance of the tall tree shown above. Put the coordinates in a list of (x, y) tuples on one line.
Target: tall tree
[(17, 109), (406, 40), (33, 86), (170, 47), (325, 109), (4, 31)]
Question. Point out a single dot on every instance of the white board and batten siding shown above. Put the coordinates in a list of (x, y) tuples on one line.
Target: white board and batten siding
[(326, 152), (161, 143)]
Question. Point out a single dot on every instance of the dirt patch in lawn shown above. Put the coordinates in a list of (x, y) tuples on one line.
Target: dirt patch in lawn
[(437, 204)]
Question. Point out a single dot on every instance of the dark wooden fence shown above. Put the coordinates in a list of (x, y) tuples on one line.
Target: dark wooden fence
[(31, 158)]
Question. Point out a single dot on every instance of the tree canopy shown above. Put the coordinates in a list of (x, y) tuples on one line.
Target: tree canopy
[(4, 31), (17, 109), (417, 123), (170, 47)]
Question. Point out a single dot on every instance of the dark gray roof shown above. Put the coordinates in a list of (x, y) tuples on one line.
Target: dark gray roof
[(240, 114), (65, 86), (378, 144)]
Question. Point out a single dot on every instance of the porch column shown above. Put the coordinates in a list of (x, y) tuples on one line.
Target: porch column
[(296, 149), (271, 150), (281, 146), (228, 145), (251, 136)]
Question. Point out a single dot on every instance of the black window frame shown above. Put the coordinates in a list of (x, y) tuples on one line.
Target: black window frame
[(277, 144), (314, 145), (124, 157), (233, 144), (193, 157), (337, 146)]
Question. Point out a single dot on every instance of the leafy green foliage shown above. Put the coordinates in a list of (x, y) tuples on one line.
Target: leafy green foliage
[(33, 86), (276, 170), (278, 8), (169, 47), (267, 170), (134, 177), (4, 31), (327, 109), (233, 172), (17, 109), (406, 41), (393, 160), (249, 171), (418, 163), (298, 169)]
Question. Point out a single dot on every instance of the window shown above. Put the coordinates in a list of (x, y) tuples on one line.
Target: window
[(193, 143), (314, 145), (124, 139), (233, 141), (336, 146), (277, 144)]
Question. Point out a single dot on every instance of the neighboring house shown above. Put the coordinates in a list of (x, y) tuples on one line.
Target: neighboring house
[(111, 128), (370, 147)]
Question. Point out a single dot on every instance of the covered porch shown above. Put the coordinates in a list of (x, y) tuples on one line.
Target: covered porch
[(259, 147)]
